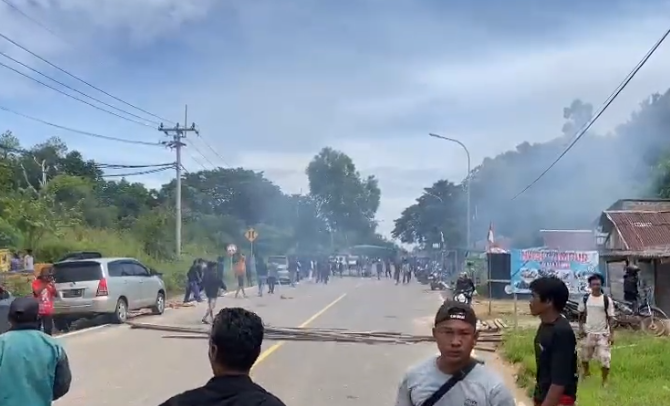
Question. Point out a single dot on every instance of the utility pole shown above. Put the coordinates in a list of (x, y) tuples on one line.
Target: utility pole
[(175, 135)]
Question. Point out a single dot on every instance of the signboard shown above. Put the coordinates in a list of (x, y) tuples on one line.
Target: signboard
[(572, 267), (251, 235), (231, 249)]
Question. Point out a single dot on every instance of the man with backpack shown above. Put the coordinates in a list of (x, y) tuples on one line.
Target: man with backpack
[(596, 312)]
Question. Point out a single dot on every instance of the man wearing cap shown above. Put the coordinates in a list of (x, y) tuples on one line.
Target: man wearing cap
[(34, 363), (453, 377)]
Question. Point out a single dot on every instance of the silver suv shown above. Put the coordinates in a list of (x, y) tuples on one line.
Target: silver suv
[(105, 286)]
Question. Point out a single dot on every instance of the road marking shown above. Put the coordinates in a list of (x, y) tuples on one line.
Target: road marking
[(306, 323), (84, 330)]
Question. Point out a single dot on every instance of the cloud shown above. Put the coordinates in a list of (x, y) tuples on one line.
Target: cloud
[(269, 83)]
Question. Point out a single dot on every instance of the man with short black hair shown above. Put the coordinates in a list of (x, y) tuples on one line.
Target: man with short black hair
[(234, 346), (596, 311), (555, 344), (453, 377), (34, 368)]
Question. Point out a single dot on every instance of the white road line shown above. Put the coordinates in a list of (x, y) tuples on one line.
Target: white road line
[(84, 330)]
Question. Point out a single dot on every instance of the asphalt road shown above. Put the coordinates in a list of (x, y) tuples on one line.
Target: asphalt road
[(115, 365)]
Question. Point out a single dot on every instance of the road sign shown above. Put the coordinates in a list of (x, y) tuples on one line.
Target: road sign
[(251, 235), (231, 249)]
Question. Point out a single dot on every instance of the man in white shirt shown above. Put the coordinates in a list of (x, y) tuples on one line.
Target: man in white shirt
[(29, 261), (596, 313)]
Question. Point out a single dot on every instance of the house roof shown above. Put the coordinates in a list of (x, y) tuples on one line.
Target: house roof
[(569, 240), (642, 230)]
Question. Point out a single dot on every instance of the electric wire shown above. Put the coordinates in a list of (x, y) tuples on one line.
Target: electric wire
[(73, 97), (76, 90), (203, 155), (212, 149), (76, 131), (123, 166), (33, 20), (600, 111), (13, 42), (123, 175)]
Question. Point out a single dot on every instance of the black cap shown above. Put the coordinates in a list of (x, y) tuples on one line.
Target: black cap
[(451, 310), (24, 310)]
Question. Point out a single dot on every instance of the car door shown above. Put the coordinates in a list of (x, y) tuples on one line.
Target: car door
[(148, 286), (133, 289)]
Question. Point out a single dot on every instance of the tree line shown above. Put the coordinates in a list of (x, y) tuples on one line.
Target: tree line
[(55, 201), (631, 161)]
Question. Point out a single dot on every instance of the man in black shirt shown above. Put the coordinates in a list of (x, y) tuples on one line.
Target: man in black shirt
[(234, 346), (555, 345)]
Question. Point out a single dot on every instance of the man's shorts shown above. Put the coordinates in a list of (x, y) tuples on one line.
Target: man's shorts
[(240, 281), (596, 346)]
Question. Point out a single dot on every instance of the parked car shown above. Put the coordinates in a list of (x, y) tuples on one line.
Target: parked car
[(281, 263), (109, 287)]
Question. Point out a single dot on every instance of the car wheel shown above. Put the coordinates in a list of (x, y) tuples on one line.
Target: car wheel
[(159, 307), (62, 324), (121, 313)]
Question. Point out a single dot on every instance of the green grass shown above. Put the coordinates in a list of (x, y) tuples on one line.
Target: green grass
[(640, 372)]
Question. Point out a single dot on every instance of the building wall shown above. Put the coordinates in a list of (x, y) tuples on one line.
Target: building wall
[(615, 272), (662, 287)]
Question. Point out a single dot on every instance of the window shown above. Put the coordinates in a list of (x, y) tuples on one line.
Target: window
[(77, 271), (115, 269)]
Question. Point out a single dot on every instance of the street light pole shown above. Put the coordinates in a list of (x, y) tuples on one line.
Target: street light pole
[(467, 154)]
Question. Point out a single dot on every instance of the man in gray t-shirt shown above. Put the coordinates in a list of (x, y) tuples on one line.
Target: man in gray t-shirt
[(455, 333)]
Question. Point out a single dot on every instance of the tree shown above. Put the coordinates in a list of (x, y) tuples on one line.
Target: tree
[(346, 201), (437, 215)]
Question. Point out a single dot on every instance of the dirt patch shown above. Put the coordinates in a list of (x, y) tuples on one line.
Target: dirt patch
[(509, 373)]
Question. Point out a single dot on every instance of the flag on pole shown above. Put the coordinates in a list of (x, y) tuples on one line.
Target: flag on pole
[(490, 238)]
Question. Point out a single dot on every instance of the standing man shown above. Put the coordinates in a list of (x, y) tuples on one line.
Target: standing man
[(234, 346), (34, 368), (261, 273), (211, 284), (273, 277), (596, 311), (44, 290), (193, 282), (397, 266), (555, 345), (387, 268), (631, 286), (292, 270), (29, 261), (453, 377), (240, 271)]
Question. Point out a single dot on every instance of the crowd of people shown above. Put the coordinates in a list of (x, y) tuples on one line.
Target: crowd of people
[(22, 261), (452, 377)]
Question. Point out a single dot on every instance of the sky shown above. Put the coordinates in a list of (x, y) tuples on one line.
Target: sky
[(271, 82)]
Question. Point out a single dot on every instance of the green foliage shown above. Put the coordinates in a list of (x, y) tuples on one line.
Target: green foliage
[(638, 369), (54, 201)]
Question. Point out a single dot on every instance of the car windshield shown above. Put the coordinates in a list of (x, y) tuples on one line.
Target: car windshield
[(277, 261), (79, 271)]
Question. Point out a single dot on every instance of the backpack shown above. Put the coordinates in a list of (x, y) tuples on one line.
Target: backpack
[(606, 299)]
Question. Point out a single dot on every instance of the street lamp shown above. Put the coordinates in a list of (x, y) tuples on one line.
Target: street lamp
[(467, 153)]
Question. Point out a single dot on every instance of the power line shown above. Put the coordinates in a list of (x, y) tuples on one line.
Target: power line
[(123, 175), (32, 19), (203, 155), (212, 149), (73, 130), (600, 111), (122, 166), (75, 90), (6, 38), (73, 97)]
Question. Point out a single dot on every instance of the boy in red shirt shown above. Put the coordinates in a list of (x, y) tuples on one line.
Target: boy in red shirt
[(44, 291)]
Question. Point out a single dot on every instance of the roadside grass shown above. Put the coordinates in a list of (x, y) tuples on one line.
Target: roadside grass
[(640, 372)]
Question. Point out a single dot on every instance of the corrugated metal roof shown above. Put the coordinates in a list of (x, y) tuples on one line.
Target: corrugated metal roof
[(569, 240), (642, 230)]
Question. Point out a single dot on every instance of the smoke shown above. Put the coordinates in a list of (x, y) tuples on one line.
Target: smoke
[(599, 170)]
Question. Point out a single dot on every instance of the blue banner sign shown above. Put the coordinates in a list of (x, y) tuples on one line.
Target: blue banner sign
[(572, 267)]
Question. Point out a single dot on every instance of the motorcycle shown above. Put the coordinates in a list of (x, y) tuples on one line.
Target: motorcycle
[(464, 297), (435, 281)]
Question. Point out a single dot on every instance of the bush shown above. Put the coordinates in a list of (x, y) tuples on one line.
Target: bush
[(638, 377)]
